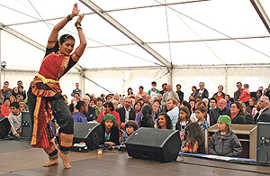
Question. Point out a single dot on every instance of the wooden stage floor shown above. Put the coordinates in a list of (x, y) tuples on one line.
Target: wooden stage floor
[(18, 159)]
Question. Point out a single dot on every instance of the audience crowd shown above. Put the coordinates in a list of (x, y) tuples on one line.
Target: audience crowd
[(121, 115)]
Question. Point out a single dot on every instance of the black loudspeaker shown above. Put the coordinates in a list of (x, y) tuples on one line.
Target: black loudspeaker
[(4, 127), (90, 133), (27, 127), (263, 142), (154, 144)]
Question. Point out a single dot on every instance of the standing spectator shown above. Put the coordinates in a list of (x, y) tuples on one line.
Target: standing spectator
[(245, 95), (264, 114), (5, 108), (180, 93), (237, 114), (164, 89), (220, 110), (153, 92), (169, 94), (76, 90), (141, 93), (219, 94), (19, 83), (5, 92), (238, 92), (202, 91), (126, 112), (224, 142), (173, 111)]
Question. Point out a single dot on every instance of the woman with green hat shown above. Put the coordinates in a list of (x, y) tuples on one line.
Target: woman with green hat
[(224, 142)]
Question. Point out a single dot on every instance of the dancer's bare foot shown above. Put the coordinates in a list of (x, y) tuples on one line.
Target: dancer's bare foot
[(65, 160), (50, 163)]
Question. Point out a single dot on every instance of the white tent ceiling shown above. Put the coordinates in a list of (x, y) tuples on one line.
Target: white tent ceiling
[(203, 32)]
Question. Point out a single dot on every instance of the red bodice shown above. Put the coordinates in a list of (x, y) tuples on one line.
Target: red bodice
[(53, 66)]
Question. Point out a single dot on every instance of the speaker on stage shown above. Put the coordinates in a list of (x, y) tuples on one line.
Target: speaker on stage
[(263, 142), (90, 133), (4, 127), (27, 127), (154, 144)]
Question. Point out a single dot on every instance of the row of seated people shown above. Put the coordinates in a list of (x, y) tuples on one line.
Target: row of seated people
[(224, 142)]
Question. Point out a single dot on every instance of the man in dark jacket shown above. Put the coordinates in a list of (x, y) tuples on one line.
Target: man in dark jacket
[(180, 93), (220, 110), (238, 92), (264, 113), (126, 112)]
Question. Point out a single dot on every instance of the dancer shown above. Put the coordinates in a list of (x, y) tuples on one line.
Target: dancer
[(44, 95)]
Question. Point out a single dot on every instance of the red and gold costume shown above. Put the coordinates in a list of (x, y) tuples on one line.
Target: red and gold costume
[(46, 103)]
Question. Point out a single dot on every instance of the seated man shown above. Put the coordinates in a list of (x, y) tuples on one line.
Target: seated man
[(224, 142), (15, 119)]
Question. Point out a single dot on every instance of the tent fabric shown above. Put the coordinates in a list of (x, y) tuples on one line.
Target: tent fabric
[(201, 39), (168, 30)]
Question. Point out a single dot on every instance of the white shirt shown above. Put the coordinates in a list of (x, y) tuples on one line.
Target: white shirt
[(127, 114), (15, 122)]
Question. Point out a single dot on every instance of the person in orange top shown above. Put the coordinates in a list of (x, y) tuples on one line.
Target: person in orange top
[(45, 100), (5, 108), (141, 93)]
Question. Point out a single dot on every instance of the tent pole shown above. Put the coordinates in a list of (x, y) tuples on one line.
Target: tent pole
[(226, 80), (261, 12), (109, 19)]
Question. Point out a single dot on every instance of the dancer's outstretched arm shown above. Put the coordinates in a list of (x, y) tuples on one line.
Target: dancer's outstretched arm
[(80, 49), (54, 34)]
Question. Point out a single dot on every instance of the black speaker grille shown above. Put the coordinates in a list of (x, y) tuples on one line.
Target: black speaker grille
[(150, 137)]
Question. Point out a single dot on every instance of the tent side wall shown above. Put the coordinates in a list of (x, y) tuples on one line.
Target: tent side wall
[(119, 80)]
